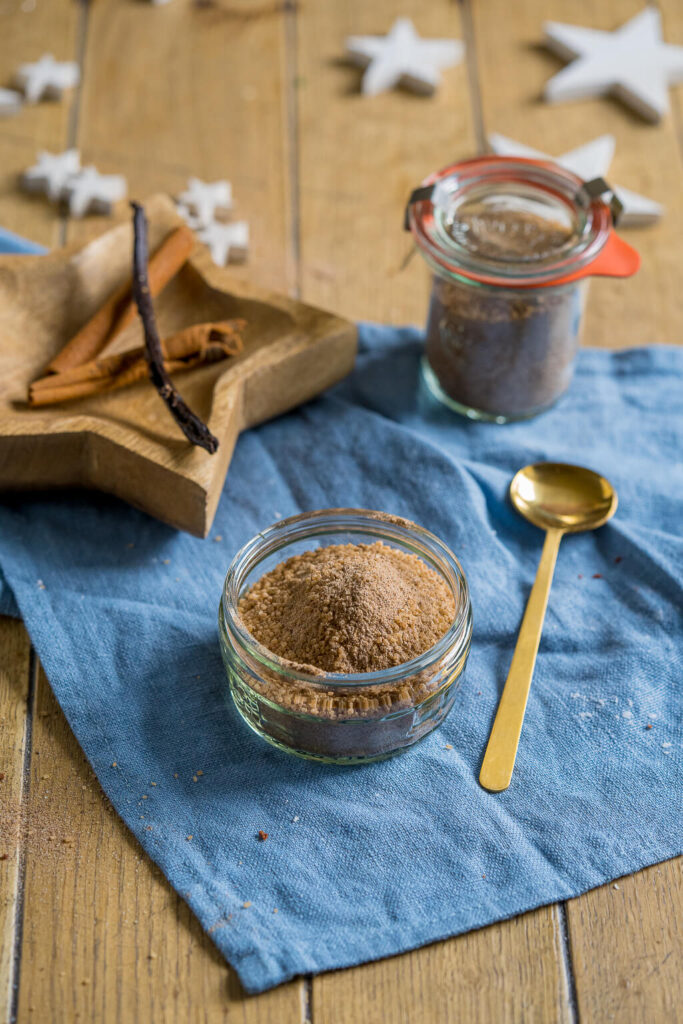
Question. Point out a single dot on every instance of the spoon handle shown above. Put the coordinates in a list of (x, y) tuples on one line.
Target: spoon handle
[(501, 751)]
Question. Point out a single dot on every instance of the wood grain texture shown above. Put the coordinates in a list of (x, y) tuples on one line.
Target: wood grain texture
[(507, 973), (184, 90), (185, 101), (26, 36), (360, 157), (105, 939), (626, 940), (125, 442), (358, 160), (168, 92), (626, 943), (14, 691), (513, 68)]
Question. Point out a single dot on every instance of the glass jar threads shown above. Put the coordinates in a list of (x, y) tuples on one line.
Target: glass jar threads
[(510, 242)]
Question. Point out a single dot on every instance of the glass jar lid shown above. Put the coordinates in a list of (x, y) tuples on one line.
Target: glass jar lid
[(508, 221)]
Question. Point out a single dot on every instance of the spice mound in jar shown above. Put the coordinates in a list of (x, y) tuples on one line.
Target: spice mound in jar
[(509, 234), (349, 608)]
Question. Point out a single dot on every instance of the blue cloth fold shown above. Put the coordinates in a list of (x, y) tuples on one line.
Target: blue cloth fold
[(369, 861)]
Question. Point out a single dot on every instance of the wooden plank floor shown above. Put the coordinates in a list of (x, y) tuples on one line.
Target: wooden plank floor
[(255, 91)]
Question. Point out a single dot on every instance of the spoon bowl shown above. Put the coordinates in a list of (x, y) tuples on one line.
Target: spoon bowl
[(558, 496)]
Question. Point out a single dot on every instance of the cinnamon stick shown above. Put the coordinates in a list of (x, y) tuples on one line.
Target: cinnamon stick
[(119, 309), (194, 429), (193, 346)]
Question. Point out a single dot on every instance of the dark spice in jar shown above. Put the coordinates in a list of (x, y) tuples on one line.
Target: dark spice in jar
[(496, 351)]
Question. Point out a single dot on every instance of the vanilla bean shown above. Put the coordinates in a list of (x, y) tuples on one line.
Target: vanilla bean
[(192, 427)]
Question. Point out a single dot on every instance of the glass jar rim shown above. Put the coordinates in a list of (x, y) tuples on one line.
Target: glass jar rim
[(348, 520), (551, 180)]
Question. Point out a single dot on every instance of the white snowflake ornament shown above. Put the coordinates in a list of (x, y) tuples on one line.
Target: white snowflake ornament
[(188, 216), (631, 63), (10, 102), (51, 172), (226, 242), (92, 192), (402, 57), (204, 199), (46, 77), (592, 160)]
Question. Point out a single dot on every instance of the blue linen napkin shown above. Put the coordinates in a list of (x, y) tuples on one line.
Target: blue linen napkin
[(369, 861)]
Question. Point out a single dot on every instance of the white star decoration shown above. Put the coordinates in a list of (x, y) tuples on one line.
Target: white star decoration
[(10, 102), (403, 57), (51, 172), (591, 160), (202, 200), (89, 191), (46, 77), (631, 63), (226, 242)]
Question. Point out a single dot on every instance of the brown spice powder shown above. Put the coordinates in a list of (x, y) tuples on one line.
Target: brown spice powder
[(504, 351), (349, 608)]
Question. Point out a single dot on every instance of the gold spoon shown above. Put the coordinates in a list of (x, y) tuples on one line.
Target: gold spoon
[(559, 499)]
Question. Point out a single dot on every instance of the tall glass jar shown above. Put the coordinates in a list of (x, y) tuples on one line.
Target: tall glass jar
[(342, 718), (511, 243)]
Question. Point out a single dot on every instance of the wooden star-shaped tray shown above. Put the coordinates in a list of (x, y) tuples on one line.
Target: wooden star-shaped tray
[(125, 442)]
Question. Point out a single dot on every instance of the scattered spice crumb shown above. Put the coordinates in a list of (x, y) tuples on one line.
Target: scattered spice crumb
[(247, 904), (4, 856), (483, 876), (68, 839), (478, 693), (275, 910), (449, 746), (580, 576), (218, 538), (649, 725), (618, 559), (194, 778), (149, 828), (166, 561), (175, 775), (44, 777), (2, 776), (114, 764), (144, 796), (142, 817), (152, 783), (199, 772), (189, 838), (151, 956), (40, 585), (262, 835), (597, 575), (85, 981)]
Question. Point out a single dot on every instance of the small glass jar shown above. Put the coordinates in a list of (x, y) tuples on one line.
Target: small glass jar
[(511, 242), (341, 718)]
